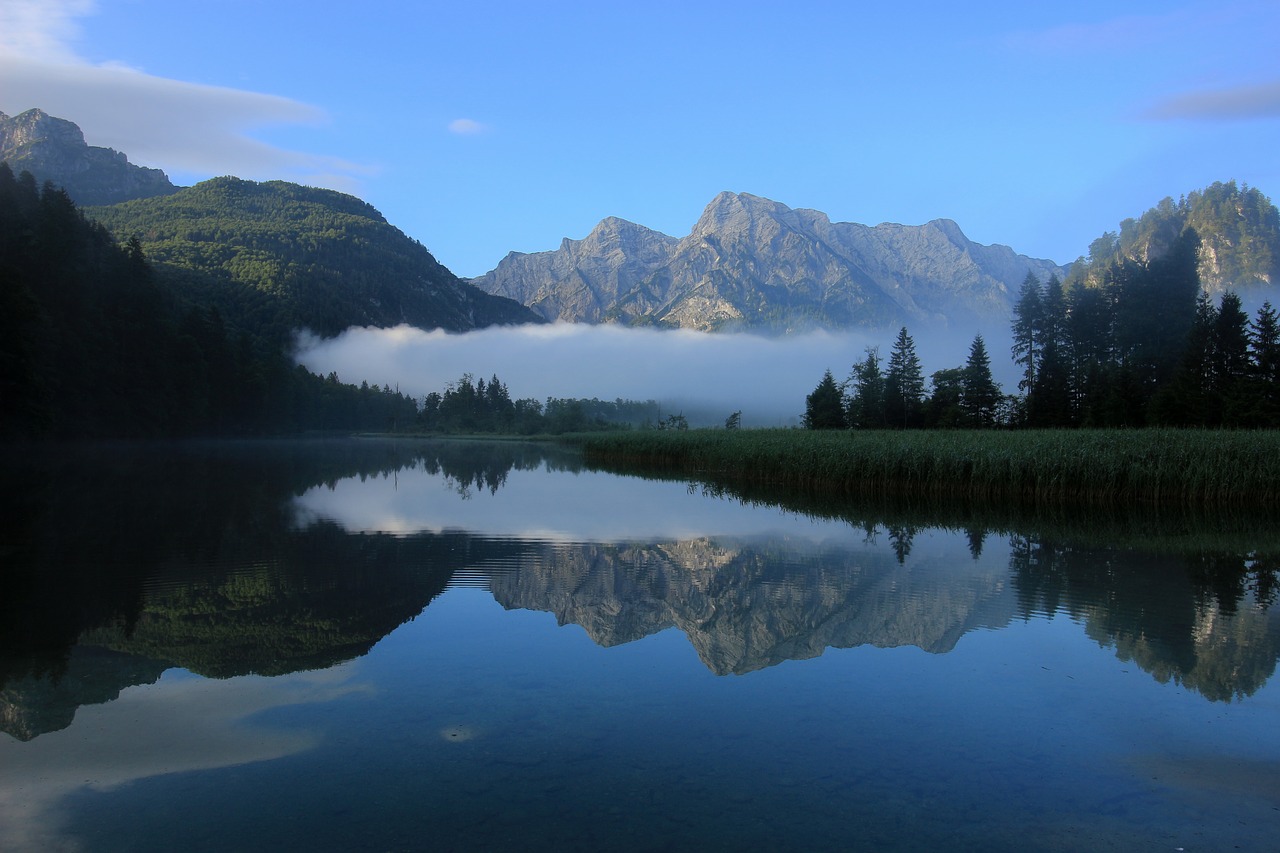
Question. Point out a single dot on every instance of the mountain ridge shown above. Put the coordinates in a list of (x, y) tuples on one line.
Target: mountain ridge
[(754, 263), (327, 260)]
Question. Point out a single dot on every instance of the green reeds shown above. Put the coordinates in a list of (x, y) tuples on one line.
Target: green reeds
[(1189, 468)]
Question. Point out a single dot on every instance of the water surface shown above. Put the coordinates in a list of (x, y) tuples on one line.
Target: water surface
[(456, 646)]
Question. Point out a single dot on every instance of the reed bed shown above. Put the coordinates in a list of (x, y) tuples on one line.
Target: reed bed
[(1161, 467)]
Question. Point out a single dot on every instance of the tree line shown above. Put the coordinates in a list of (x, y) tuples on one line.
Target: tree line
[(893, 396), (471, 405), (1138, 343)]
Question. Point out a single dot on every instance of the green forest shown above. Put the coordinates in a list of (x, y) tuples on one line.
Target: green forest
[(1130, 344), (95, 341), (281, 257)]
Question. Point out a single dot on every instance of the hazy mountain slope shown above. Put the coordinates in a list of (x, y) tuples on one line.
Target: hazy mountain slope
[(325, 260), (584, 278), (753, 263), (54, 149)]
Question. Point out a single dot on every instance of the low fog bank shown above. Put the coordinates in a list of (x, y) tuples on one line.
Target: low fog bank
[(705, 376)]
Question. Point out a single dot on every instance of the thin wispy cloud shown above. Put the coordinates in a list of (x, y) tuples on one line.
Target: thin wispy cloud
[(174, 125), (1229, 104), (467, 127), (1122, 33)]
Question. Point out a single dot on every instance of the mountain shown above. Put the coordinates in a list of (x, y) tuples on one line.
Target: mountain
[(53, 149), (303, 257), (585, 279), (1238, 227), (275, 254), (752, 263)]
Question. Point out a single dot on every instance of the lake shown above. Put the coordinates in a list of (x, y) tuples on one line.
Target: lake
[(451, 645)]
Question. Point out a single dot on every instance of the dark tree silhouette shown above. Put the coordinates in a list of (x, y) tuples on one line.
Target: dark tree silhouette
[(824, 408)]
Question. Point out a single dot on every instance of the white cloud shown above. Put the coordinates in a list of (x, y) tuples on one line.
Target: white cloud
[(180, 127), (466, 127), (41, 29)]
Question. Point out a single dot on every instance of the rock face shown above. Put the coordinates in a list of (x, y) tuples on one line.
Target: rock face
[(752, 263), (53, 149), (584, 279)]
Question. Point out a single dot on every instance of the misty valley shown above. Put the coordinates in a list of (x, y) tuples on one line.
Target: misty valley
[(393, 644)]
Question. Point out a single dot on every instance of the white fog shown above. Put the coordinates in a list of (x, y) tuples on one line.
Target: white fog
[(706, 376)]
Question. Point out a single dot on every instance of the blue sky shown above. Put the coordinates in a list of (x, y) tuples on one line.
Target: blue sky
[(484, 127)]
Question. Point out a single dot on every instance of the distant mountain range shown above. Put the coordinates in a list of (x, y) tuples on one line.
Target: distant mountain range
[(752, 263), (290, 256)]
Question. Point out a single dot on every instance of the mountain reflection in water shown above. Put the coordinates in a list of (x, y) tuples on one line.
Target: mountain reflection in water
[(271, 558)]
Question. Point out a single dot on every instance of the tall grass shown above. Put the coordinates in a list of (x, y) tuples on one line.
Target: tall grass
[(1189, 468)]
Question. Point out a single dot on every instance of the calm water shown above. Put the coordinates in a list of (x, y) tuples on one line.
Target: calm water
[(464, 646)]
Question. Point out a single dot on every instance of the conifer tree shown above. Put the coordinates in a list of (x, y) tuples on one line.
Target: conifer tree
[(1230, 346), (979, 393), (865, 408), (1264, 369), (824, 408), (903, 384), (1028, 319)]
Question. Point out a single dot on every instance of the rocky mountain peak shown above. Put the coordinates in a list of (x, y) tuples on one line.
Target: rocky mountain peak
[(612, 231), (54, 149), (36, 126), (730, 212), (950, 230), (750, 262)]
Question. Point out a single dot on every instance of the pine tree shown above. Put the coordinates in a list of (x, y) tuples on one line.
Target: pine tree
[(1091, 349), (1264, 369), (1230, 360), (904, 384), (865, 408), (1189, 399), (979, 393), (1264, 345), (1028, 319), (824, 408), (942, 409)]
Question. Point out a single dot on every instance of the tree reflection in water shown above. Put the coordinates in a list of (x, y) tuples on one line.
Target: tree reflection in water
[(121, 561)]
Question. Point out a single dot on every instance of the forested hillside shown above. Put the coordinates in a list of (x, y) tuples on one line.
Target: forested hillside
[(96, 341), (1239, 230), (301, 257)]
